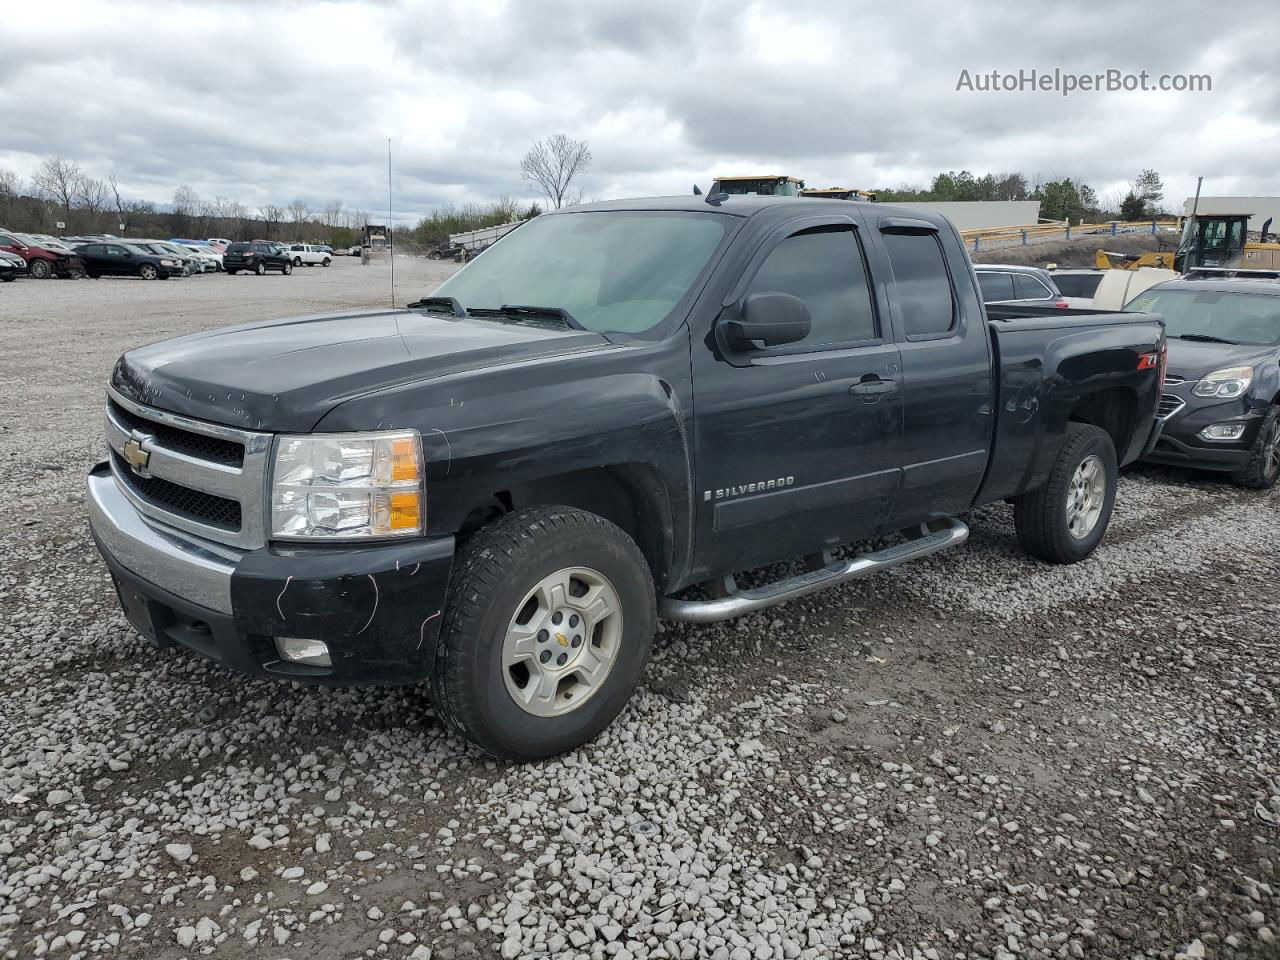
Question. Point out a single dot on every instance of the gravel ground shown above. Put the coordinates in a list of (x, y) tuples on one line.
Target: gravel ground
[(974, 756)]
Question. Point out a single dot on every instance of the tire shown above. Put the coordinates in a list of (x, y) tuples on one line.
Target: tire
[(39, 269), (259, 268), (8, 279), (472, 687), (324, 262), (1263, 468), (286, 269), (297, 261), (1041, 516), (433, 256), (164, 276), (148, 271), (232, 273)]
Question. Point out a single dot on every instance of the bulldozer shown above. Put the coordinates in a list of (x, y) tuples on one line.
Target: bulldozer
[(1217, 240)]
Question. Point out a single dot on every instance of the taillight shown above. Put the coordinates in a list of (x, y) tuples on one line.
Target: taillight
[(248, 254)]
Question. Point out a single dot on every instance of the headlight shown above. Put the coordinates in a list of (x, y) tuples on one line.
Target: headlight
[(348, 486), (169, 263), (1226, 383)]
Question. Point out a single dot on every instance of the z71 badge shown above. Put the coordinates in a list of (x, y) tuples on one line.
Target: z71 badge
[(760, 486)]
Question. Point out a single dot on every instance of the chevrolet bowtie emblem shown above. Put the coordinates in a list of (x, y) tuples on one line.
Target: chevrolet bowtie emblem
[(562, 639), (136, 456)]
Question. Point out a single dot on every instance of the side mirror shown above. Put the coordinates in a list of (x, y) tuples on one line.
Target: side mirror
[(767, 319)]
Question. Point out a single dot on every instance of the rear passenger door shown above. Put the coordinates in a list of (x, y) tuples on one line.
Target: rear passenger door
[(798, 446), (941, 333)]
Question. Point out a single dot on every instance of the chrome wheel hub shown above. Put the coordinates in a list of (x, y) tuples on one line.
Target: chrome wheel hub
[(1086, 494), (562, 641), (1272, 463)]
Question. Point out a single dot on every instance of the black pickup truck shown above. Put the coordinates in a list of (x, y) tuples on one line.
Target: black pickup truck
[(500, 487)]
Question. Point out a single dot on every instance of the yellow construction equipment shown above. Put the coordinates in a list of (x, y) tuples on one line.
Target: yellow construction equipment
[(1208, 240), (767, 185), (839, 193)]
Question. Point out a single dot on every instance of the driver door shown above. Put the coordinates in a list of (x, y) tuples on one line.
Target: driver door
[(798, 447)]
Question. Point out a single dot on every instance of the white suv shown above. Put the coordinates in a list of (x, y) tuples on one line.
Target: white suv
[(304, 254)]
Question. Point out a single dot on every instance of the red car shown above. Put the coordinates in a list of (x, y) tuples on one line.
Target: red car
[(42, 262)]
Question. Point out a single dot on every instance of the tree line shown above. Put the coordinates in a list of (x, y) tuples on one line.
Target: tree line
[(1060, 199), (60, 191)]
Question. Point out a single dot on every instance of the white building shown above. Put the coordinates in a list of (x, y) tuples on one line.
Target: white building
[(980, 214), (1258, 208)]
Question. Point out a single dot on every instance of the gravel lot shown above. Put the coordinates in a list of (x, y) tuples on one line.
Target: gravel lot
[(974, 756)]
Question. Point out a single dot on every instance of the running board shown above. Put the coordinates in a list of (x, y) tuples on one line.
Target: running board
[(924, 541)]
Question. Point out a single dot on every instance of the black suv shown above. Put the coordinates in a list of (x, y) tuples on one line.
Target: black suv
[(1221, 404), (257, 257)]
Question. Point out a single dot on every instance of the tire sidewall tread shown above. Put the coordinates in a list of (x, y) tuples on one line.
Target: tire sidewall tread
[(493, 571), (1040, 515)]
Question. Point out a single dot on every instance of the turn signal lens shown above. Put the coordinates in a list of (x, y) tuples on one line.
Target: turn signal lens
[(405, 512)]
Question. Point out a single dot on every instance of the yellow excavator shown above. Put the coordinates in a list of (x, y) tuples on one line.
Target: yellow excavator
[(1208, 240)]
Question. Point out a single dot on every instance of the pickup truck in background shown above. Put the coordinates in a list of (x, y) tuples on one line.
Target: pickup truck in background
[(308, 255), (499, 488)]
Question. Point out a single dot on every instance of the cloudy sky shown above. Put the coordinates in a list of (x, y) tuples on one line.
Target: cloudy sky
[(269, 100)]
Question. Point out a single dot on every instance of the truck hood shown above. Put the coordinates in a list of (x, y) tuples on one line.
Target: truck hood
[(285, 375), (1191, 360)]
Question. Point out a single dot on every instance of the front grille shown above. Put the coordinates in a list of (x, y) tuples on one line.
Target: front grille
[(198, 445), (192, 504), (1169, 405)]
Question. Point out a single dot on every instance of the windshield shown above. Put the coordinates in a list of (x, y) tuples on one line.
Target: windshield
[(1244, 318), (613, 271)]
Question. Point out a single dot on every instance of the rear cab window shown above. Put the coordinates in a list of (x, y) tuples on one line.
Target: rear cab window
[(925, 298)]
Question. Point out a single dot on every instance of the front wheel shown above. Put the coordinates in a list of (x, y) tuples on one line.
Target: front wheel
[(297, 261), (287, 268), (546, 632), (1066, 519), (324, 262), (260, 268), (39, 269), (148, 271), (1263, 468)]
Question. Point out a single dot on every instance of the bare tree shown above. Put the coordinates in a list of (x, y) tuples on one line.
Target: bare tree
[(9, 185), (93, 198), (59, 181), (553, 164), (298, 212), (271, 215), (332, 215)]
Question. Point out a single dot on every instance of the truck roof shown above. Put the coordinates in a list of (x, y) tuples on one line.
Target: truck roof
[(749, 205)]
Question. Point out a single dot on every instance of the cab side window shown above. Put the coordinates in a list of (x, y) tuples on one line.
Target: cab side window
[(824, 268), (995, 286), (924, 286)]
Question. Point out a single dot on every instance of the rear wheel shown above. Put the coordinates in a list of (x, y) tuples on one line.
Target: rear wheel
[(39, 269), (1264, 459), (324, 262), (546, 633), (1066, 519), (297, 261), (148, 271), (260, 268)]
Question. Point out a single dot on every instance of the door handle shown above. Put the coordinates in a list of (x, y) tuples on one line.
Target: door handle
[(873, 386)]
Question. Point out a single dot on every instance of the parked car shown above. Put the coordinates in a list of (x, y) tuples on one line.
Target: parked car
[(1014, 283), (129, 260), (257, 256), (190, 263), (218, 243), (782, 376), (43, 260), (354, 250), (1078, 286), (1221, 405), (324, 248), (444, 251), (12, 266), (306, 254), (210, 259)]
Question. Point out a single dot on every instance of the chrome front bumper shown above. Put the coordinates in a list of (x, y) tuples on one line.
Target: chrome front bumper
[(194, 569)]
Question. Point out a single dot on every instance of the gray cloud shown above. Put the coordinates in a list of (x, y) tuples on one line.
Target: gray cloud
[(267, 102)]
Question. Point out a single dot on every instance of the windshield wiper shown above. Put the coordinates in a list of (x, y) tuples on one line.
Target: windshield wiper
[(521, 312), (438, 305), (1205, 338)]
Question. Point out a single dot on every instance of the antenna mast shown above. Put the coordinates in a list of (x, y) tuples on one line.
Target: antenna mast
[(391, 234)]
